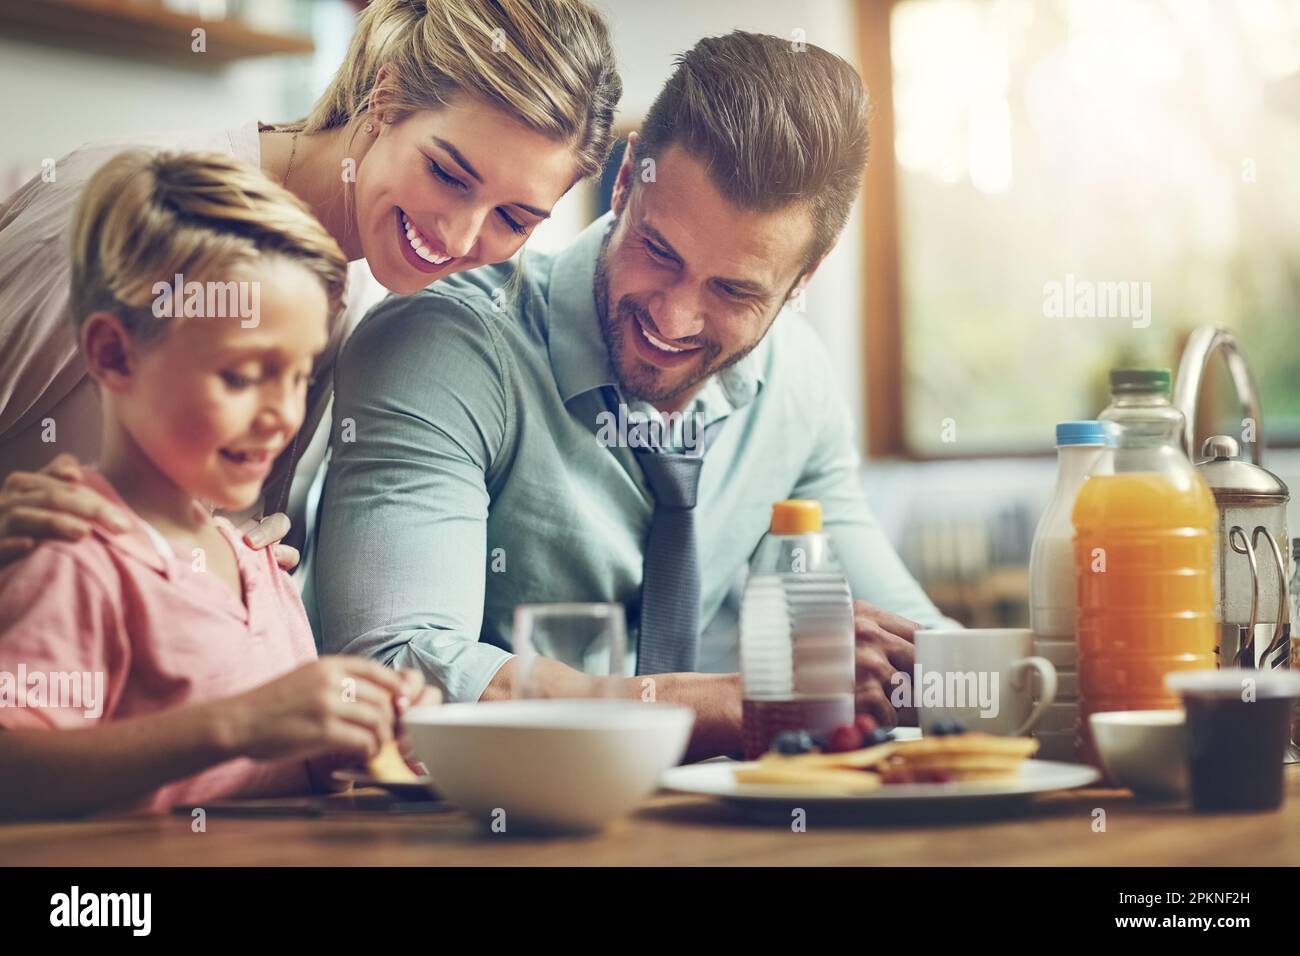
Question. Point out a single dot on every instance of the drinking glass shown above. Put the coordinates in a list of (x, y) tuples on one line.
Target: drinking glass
[(590, 638)]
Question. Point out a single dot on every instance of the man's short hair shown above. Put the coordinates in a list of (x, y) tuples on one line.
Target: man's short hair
[(776, 123)]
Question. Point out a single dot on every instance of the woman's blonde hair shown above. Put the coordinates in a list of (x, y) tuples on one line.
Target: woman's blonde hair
[(548, 63), (145, 218)]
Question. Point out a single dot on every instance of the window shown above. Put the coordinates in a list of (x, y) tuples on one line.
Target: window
[(1079, 184)]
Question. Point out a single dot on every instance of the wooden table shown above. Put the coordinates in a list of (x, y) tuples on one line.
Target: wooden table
[(674, 830)]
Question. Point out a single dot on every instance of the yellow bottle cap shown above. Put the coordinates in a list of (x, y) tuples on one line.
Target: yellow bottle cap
[(796, 517)]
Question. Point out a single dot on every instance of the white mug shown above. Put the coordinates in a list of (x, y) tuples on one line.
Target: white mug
[(981, 677)]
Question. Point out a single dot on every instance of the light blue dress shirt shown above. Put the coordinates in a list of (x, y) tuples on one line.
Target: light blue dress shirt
[(466, 476)]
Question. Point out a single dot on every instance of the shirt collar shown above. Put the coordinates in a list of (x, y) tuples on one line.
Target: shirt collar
[(579, 359), (138, 541)]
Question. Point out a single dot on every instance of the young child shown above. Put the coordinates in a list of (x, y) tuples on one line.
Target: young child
[(171, 663)]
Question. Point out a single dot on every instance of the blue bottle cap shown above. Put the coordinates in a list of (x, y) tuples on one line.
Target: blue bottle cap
[(1086, 433)]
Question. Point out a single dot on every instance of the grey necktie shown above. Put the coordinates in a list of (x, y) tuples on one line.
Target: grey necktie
[(670, 575)]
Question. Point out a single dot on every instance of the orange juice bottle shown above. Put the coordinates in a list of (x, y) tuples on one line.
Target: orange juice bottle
[(1144, 557)]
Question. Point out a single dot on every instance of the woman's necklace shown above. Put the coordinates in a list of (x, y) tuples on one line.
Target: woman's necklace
[(293, 152)]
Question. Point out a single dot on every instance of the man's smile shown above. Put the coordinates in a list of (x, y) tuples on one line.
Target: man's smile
[(658, 351)]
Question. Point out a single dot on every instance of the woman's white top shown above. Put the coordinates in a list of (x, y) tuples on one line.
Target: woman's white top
[(48, 404)]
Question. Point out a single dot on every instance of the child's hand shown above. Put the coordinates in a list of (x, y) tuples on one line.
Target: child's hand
[(419, 694), (340, 704), (321, 769), (415, 693), (51, 503)]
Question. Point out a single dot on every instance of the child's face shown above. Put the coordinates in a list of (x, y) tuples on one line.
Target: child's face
[(216, 399)]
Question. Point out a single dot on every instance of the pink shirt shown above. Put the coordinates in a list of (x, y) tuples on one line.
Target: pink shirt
[(114, 627)]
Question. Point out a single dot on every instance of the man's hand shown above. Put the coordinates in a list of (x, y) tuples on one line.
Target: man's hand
[(883, 647)]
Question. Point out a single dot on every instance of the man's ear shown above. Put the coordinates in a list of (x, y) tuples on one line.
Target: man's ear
[(801, 283), (109, 350), (623, 182)]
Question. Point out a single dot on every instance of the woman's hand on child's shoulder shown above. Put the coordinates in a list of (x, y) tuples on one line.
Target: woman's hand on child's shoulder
[(270, 531), (341, 704), (51, 503)]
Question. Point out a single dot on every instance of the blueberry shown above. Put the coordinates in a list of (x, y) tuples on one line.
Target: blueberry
[(878, 736), (791, 742), (947, 726)]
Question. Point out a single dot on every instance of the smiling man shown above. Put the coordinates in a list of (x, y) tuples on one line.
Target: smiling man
[(473, 468)]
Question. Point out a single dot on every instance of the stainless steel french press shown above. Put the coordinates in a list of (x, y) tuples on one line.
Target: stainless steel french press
[(1250, 563)]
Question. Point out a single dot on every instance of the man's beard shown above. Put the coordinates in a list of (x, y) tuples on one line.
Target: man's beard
[(642, 381)]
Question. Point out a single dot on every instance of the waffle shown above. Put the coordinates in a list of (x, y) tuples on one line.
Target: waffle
[(959, 757), (955, 757), (388, 765), (827, 779)]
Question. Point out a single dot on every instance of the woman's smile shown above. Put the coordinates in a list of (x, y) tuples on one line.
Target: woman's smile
[(418, 248)]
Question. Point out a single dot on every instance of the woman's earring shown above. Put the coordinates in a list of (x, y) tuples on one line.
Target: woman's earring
[(369, 128)]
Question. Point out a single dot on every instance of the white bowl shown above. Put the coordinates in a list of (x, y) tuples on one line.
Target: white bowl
[(1144, 750), (526, 765)]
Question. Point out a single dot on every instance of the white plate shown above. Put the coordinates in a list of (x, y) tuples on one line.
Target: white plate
[(717, 779)]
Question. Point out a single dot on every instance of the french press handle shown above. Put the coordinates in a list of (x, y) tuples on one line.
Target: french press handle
[(1275, 654)]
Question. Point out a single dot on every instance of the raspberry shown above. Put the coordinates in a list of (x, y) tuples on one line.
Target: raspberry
[(843, 738), (933, 776), (866, 724), (900, 774)]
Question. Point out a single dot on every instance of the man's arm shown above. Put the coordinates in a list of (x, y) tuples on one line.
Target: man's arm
[(420, 412)]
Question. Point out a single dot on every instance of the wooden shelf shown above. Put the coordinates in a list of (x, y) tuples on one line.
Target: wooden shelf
[(140, 29)]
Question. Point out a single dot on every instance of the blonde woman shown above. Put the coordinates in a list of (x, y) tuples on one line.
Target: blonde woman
[(449, 132)]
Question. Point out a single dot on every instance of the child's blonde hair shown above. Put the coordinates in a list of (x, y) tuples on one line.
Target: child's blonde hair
[(549, 63), (145, 218)]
